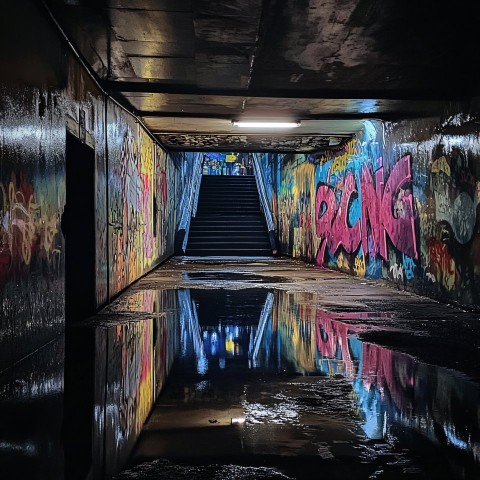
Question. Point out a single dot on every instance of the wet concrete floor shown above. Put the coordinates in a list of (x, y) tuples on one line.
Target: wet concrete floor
[(289, 371), (278, 370)]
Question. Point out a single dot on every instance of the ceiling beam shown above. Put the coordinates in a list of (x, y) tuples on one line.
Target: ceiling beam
[(450, 94), (397, 115)]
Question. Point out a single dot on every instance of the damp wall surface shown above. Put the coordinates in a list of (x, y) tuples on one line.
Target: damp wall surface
[(45, 93), (399, 201), (142, 200)]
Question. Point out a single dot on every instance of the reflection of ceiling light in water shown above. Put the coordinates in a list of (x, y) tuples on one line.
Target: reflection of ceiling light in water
[(238, 420), (260, 124)]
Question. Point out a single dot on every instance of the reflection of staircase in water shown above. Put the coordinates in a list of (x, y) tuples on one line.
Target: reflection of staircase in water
[(220, 312), (264, 317), (229, 221)]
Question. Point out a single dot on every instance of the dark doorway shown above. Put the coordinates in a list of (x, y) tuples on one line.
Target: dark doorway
[(78, 226)]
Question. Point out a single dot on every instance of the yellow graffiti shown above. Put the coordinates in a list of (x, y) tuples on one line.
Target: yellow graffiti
[(297, 242), (342, 263), (301, 202), (351, 149), (360, 266), (135, 244), (441, 165), (339, 164)]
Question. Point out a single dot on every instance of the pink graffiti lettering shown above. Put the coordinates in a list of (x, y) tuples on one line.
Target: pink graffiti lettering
[(324, 213), (370, 209), (400, 227), (385, 211), (348, 236)]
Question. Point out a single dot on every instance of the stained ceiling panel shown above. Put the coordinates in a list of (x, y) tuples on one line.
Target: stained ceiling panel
[(175, 69), (188, 104), (250, 142), (199, 63), (151, 25), (149, 5)]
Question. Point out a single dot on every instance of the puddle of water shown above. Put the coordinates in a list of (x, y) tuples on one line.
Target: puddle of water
[(245, 379), (290, 379)]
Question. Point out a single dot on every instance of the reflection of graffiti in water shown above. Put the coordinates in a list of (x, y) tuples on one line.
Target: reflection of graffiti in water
[(135, 389), (390, 388), (332, 340)]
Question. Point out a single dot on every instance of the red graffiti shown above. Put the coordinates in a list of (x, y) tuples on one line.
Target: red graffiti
[(385, 211), (163, 187), (442, 264)]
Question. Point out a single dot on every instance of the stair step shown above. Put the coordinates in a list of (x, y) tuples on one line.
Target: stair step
[(222, 248), (227, 231), (229, 194), (234, 202), (228, 178), (229, 220), (229, 253), (227, 226), (222, 239), (240, 209)]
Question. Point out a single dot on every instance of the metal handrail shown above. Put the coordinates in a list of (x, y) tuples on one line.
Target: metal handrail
[(262, 192), (188, 204)]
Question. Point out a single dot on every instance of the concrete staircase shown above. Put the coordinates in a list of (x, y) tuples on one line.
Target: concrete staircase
[(229, 221)]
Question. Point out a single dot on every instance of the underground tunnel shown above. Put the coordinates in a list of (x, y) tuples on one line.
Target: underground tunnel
[(239, 240)]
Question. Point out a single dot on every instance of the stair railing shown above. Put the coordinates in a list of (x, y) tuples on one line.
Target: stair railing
[(259, 178), (188, 204), (265, 316)]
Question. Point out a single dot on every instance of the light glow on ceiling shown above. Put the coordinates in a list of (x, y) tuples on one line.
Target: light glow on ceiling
[(265, 124)]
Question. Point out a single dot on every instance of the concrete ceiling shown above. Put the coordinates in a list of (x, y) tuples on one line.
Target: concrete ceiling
[(189, 67)]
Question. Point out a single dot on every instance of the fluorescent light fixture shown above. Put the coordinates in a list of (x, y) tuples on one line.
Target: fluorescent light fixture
[(261, 124), (237, 420)]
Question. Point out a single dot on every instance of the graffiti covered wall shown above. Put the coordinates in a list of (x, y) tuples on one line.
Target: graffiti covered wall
[(399, 204), (141, 201), (31, 261), (134, 208), (34, 121), (446, 185)]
